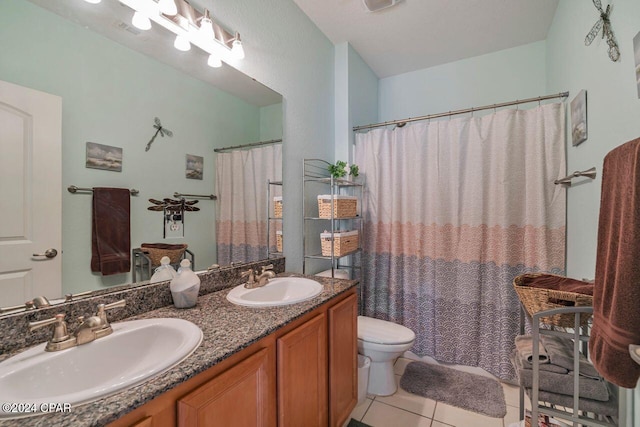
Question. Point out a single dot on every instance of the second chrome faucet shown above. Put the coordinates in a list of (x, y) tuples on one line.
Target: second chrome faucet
[(255, 280)]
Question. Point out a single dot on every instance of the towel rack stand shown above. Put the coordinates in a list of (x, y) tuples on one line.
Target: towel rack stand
[(73, 189), (196, 196), (589, 173)]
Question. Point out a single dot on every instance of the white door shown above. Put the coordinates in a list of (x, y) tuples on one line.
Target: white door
[(30, 194)]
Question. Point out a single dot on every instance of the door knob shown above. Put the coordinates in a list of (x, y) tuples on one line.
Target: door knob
[(49, 253)]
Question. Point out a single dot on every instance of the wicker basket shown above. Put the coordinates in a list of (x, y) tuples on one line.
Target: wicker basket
[(343, 242), (279, 241), (343, 206), (537, 299), (277, 207), (155, 252)]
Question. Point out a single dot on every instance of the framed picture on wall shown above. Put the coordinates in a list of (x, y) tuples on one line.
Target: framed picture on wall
[(579, 118), (104, 157), (636, 54), (194, 166)]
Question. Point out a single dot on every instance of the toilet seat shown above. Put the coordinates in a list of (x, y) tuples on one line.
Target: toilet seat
[(383, 332)]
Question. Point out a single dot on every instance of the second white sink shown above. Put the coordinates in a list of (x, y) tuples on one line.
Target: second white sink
[(279, 291)]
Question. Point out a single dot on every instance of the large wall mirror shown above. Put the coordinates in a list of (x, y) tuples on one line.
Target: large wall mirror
[(114, 80)]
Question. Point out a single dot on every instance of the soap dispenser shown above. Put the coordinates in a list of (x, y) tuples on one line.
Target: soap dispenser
[(163, 273), (185, 286)]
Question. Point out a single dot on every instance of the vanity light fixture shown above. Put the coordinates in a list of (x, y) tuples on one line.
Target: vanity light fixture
[(236, 49), (140, 21), (182, 43), (206, 26), (168, 7), (93, 1), (214, 62), (190, 27)]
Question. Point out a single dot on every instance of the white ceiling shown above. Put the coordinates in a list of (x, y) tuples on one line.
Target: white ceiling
[(113, 20), (417, 34)]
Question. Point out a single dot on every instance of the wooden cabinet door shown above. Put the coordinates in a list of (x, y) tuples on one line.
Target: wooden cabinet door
[(343, 360), (302, 375), (242, 396)]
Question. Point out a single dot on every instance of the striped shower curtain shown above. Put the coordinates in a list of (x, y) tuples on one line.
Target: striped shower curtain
[(453, 211), (241, 208)]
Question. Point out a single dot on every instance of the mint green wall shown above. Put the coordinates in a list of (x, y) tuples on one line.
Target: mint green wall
[(271, 122), (356, 97), (363, 93), (506, 75), (342, 113), (613, 111), (289, 54), (110, 95)]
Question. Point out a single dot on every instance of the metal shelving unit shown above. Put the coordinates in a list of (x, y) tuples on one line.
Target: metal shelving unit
[(316, 177), (579, 335), (271, 218)]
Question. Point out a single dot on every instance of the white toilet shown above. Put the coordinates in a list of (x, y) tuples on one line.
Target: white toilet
[(383, 342)]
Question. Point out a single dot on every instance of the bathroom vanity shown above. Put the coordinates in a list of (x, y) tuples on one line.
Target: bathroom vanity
[(301, 374), (291, 365)]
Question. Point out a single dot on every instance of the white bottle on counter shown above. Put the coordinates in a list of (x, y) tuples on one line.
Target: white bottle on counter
[(185, 286), (163, 273)]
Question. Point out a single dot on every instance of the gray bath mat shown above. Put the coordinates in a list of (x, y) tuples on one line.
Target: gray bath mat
[(456, 388)]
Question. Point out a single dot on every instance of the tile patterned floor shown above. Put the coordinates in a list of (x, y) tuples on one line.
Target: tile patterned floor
[(408, 410)]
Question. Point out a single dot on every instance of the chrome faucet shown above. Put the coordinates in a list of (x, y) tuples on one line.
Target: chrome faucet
[(89, 329), (256, 281)]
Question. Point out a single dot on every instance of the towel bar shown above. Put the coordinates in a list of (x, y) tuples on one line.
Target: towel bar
[(196, 196), (589, 173), (73, 189)]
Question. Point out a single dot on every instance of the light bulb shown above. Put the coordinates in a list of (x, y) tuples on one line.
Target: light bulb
[(214, 61), (236, 48), (141, 21), (93, 1), (206, 26), (168, 7), (182, 43)]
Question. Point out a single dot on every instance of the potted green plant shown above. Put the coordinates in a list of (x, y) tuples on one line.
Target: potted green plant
[(342, 170)]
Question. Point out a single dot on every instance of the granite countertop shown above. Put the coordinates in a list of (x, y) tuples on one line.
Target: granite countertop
[(227, 329)]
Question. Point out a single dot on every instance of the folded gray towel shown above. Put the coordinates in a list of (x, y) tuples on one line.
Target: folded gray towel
[(524, 345), (548, 367), (560, 351), (597, 407), (589, 388)]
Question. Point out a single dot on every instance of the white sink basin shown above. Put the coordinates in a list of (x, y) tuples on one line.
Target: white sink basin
[(279, 291), (136, 351)]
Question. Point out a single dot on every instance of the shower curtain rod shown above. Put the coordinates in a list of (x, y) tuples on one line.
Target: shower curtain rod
[(403, 122), (252, 144)]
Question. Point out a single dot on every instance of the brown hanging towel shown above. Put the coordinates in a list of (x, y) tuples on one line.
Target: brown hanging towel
[(111, 231), (616, 296)]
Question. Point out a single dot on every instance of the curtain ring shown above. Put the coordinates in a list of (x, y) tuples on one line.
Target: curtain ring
[(517, 104), (539, 102), (471, 112), (449, 115)]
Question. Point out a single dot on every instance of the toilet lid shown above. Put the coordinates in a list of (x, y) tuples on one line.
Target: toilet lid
[(383, 332)]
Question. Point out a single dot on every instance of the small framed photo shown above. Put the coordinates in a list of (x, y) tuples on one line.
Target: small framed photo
[(579, 118), (104, 157), (636, 54), (194, 166)]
